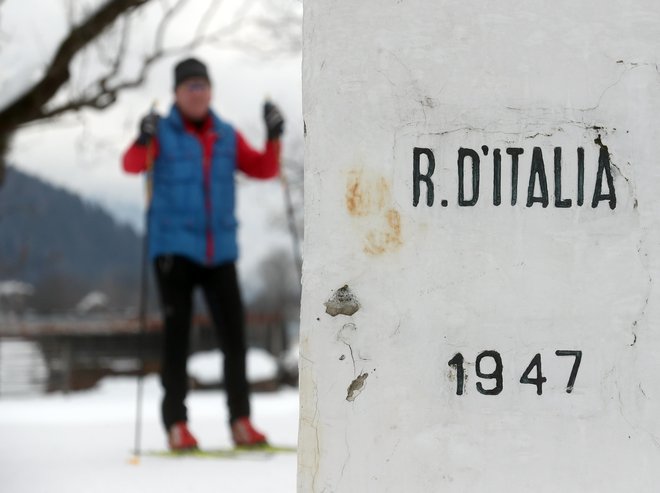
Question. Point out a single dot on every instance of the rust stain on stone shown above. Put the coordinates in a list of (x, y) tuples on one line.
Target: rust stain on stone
[(369, 200), (366, 195), (354, 196), (386, 239)]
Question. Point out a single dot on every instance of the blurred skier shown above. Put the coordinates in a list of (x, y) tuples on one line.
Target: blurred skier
[(192, 237)]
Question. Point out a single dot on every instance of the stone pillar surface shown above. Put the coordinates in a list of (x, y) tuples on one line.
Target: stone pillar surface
[(482, 244)]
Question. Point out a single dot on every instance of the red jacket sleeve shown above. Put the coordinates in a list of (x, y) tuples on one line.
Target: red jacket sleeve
[(135, 158), (258, 164)]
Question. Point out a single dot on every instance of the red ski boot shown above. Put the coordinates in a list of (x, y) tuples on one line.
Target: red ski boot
[(180, 439), (245, 435)]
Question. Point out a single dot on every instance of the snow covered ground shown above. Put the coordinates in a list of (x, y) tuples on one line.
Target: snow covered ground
[(206, 367), (83, 443)]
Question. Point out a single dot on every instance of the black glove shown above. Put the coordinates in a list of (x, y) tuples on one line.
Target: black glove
[(274, 121), (148, 128)]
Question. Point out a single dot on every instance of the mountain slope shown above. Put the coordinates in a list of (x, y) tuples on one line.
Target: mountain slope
[(63, 245)]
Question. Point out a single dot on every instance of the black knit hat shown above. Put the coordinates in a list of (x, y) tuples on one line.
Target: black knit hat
[(189, 68)]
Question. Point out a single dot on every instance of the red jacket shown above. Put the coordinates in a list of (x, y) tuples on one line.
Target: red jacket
[(253, 163)]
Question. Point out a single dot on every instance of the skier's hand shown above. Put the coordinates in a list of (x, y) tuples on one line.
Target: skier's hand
[(274, 121), (148, 128)]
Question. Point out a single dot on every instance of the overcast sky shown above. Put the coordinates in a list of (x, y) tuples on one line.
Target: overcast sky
[(82, 152)]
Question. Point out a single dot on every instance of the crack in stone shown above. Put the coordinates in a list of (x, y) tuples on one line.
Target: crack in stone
[(642, 312), (602, 94), (344, 336), (315, 422), (551, 134), (633, 426), (311, 421), (350, 348), (348, 456)]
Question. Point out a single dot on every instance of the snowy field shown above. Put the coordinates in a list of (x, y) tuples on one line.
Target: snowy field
[(83, 443)]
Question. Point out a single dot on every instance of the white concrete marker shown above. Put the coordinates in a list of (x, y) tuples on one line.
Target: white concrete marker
[(483, 187)]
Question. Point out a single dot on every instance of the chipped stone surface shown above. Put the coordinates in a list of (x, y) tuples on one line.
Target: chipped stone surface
[(458, 263), (356, 387), (342, 302)]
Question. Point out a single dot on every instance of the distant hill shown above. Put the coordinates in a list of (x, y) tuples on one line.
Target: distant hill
[(64, 246)]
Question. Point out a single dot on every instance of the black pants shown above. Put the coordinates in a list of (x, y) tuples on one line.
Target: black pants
[(177, 278)]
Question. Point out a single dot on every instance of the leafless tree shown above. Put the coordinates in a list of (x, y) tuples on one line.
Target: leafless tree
[(106, 31)]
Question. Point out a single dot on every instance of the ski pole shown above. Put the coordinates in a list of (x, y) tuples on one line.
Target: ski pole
[(144, 302), (291, 218)]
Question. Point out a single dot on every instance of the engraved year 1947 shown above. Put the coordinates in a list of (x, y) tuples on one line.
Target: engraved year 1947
[(533, 374)]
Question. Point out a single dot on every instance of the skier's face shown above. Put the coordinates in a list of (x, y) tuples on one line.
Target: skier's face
[(193, 97)]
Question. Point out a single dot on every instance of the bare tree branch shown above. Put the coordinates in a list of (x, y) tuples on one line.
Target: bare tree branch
[(105, 94), (206, 19), (39, 103), (165, 23), (30, 105)]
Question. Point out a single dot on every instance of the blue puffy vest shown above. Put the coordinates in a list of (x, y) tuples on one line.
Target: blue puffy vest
[(179, 221)]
